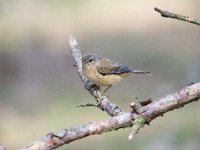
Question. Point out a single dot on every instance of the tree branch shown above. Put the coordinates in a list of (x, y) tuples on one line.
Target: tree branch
[(102, 100), (148, 113), (168, 14), (135, 119)]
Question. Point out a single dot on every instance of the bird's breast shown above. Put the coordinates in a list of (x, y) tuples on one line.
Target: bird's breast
[(103, 80)]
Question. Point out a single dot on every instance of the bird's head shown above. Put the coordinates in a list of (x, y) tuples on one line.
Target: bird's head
[(89, 59)]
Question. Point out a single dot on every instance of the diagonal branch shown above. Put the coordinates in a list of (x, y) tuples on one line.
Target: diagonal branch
[(168, 14), (148, 113), (102, 100)]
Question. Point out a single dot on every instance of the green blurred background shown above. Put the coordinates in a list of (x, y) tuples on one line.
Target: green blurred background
[(39, 87)]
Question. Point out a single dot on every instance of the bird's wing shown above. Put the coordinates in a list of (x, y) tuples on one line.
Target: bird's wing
[(107, 67)]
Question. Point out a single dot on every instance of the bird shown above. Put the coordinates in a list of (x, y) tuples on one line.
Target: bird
[(103, 72)]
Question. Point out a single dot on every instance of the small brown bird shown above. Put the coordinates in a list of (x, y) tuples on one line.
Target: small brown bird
[(103, 72)]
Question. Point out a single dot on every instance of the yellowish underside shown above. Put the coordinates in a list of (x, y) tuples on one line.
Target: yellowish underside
[(98, 79)]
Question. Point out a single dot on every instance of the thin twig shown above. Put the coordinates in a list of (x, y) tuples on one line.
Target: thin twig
[(168, 14), (87, 105)]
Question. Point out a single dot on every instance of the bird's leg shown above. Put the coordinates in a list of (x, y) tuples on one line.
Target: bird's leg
[(106, 89), (95, 87)]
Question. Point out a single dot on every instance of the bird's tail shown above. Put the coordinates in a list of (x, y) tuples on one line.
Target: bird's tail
[(141, 72)]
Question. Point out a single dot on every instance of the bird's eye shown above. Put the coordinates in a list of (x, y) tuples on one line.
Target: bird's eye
[(90, 60)]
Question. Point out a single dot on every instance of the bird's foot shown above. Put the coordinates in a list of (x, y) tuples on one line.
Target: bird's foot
[(107, 89)]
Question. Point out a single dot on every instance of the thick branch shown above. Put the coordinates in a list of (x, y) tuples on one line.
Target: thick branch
[(168, 14), (149, 112)]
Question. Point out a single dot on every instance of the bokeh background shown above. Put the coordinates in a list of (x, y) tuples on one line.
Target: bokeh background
[(39, 87)]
